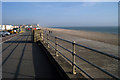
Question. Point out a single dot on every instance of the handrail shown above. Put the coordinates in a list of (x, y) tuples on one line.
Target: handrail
[(50, 35), (64, 40), (52, 41), (88, 62), (112, 56), (65, 49), (52, 46), (109, 55), (103, 53), (76, 66), (97, 67)]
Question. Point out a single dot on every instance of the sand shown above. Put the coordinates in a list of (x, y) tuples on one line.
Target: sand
[(96, 40), (100, 41), (97, 36)]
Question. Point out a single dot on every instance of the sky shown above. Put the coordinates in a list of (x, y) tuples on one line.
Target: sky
[(67, 14), (60, 0), (0, 12)]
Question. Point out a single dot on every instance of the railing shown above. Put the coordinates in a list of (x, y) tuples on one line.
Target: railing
[(45, 38)]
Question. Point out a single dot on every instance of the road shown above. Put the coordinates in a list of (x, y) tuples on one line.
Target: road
[(23, 59), (3, 39)]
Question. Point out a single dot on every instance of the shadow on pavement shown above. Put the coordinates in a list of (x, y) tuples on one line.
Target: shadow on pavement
[(43, 67), (19, 41)]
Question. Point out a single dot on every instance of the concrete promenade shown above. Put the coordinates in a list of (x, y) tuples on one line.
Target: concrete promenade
[(21, 58)]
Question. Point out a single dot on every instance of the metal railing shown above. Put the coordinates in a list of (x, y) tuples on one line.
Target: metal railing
[(45, 39)]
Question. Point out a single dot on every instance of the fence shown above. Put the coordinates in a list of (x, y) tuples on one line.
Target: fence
[(45, 37)]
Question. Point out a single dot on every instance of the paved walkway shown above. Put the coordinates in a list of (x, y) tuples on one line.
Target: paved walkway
[(23, 59)]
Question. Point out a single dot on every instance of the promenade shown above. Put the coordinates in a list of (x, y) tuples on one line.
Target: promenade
[(24, 58), (21, 58)]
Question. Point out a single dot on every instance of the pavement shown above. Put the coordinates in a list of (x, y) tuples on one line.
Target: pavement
[(21, 58), (3, 39)]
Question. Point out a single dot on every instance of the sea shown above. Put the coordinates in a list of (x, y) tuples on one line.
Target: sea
[(111, 30)]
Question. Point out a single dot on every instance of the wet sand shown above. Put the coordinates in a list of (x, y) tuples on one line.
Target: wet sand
[(97, 36)]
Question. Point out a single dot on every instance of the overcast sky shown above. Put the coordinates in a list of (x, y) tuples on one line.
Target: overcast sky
[(61, 13)]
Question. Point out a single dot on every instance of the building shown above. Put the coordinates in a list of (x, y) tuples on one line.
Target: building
[(8, 27), (5, 27), (0, 27)]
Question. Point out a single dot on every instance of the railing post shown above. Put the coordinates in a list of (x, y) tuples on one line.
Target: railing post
[(34, 36), (47, 41), (41, 35), (56, 47), (73, 65)]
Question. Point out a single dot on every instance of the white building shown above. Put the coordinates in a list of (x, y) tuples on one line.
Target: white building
[(3, 27), (0, 27), (7, 27), (30, 26), (26, 26), (16, 27)]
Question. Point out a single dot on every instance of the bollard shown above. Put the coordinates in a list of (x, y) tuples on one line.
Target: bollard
[(47, 41), (73, 64), (56, 47)]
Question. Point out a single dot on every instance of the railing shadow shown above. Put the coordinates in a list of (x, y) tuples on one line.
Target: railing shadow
[(16, 74), (19, 41), (25, 35)]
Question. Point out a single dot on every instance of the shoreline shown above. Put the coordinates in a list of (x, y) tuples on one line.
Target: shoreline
[(84, 31), (97, 36), (114, 33)]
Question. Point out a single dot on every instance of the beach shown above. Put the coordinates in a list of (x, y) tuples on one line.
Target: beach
[(97, 36), (100, 41)]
